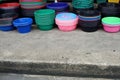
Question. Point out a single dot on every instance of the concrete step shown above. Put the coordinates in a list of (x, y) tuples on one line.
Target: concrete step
[(10, 76), (54, 52)]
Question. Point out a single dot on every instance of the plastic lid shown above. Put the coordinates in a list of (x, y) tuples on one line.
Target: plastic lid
[(66, 16), (7, 5), (111, 20), (22, 21)]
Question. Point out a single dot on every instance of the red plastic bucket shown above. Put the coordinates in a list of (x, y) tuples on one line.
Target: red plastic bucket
[(9, 5)]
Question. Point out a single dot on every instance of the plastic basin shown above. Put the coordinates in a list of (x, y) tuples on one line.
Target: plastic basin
[(23, 25)]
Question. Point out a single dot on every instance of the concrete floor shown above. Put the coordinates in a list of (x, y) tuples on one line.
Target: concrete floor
[(75, 52), (42, 77)]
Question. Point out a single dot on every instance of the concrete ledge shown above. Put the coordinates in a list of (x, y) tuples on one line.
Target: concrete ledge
[(75, 53)]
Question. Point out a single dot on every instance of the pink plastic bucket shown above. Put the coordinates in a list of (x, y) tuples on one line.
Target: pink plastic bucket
[(67, 28), (66, 21), (111, 28)]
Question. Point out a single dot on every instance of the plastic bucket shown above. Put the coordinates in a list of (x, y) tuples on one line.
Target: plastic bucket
[(111, 24), (111, 28), (113, 1), (7, 28), (23, 25), (9, 7), (89, 20), (66, 21), (58, 7), (45, 18), (111, 20), (109, 9)]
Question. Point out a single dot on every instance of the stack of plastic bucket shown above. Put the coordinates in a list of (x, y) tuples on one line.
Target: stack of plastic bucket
[(101, 1), (109, 9), (58, 7), (23, 25), (79, 5), (114, 1), (9, 8), (111, 24), (44, 19), (8, 12), (29, 6), (6, 21), (89, 20), (66, 21)]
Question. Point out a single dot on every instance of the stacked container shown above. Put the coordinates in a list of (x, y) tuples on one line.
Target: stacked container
[(23, 25), (111, 24), (79, 5), (45, 19), (109, 9), (101, 1), (58, 7), (89, 20), (29, 6), (114, 1), (9, 8), (8, 12), (66, 21), (6, 21)]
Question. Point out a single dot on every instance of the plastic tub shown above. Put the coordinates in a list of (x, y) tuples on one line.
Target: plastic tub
[(109, 9), (31, 0), (89, 20), (82, 3), (23, 25), (66, 21), (101, 1), (45, 18), (9, 7), (28, 12), (58, 7), (111, 28), (111, 20), (111, 24), (6, 21), (7, 28), (89, 26), (78, 10), (114, 1)]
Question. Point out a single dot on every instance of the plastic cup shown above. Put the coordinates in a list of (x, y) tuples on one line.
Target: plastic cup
[(23, 25)]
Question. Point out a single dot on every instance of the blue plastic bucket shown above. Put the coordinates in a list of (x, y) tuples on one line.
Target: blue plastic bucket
[(58, 7), (7, 28), (23, 25)]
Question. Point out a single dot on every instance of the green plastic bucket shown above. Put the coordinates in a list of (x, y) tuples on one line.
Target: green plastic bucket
[(82, 4), (111, 20), (45, 18), (101, 1), (45, 27)]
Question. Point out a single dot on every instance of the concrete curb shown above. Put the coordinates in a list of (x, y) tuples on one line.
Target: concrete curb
[(75, 53), (82, 70)]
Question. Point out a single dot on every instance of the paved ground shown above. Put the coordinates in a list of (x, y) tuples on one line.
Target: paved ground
[(42, 77), (57, 52)]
